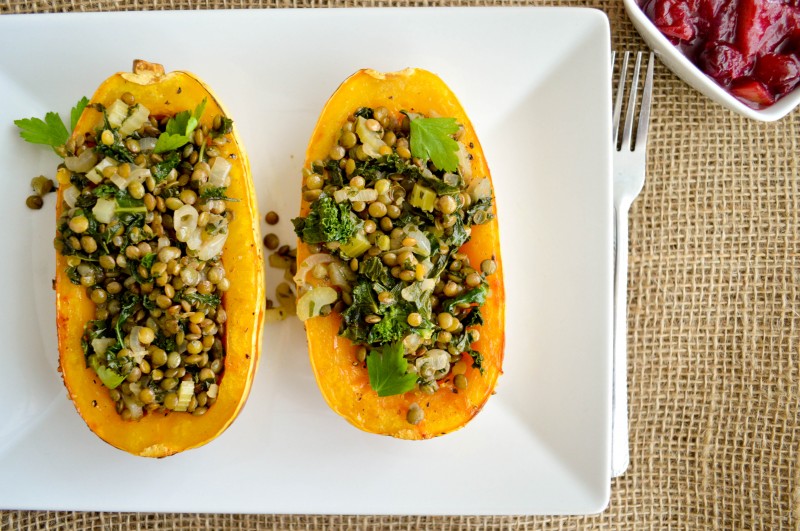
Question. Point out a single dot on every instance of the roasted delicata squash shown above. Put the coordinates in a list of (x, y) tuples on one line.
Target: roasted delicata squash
[(159, 272), (399, 276)]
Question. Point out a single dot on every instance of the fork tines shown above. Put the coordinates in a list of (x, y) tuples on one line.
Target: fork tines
[(627, 138)]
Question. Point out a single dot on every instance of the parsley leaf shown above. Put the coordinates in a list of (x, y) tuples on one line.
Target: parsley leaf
[(168, 142), (76, 112), (430, 139), (179, 128), (388, 371), (51, 131)]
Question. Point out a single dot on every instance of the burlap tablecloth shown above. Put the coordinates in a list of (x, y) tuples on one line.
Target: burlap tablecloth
[(713, 326)]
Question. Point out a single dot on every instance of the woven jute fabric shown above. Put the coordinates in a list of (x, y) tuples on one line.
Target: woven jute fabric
[(714, 320)]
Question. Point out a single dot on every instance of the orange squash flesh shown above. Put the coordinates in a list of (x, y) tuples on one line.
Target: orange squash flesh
[(159, 435), (345, 384)]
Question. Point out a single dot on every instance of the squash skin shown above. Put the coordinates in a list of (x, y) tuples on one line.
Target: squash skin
[(162, 435), (345, 385)]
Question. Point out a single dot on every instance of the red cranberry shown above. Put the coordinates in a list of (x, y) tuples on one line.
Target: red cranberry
[(778, 71), (724, 63), (753, 91)]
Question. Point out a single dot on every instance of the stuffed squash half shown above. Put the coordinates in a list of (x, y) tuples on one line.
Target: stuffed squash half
[(399, 272), (159, 275)]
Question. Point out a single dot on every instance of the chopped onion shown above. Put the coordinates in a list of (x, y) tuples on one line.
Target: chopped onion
[(371, 140), (308, 264), (163, 242), (340, 275), (83, 162), (104, 210), (71, 195), (185, 393), (101, 344), (139, 174), (212, 246), (148, 143), (355, 194), (96, 174), (195, 240), (185, 222), (116, 113), (136, 347), (133, 407), (451, 179), (423, 245), (479, 188), (121, 182), (135, 120), (310, 304), (219, 172), (436, 359)]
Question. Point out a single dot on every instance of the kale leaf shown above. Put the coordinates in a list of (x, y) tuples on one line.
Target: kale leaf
[(476, 295), (328, 221), (373, 269)]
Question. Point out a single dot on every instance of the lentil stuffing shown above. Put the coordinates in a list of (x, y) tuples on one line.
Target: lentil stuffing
[(384, 228), (143, 228)]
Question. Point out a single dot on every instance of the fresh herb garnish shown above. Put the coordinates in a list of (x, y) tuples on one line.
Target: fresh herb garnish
[(76, 112), (388, 370), (179, 128), (51, 131), (431, 139)]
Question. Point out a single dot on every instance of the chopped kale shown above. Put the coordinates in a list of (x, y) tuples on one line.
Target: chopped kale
[(373, 269), (473, 318), (364, 303), (476, 295), (364, 112), (392, 326), (335, 174), (162, 169), (328, 221), (212, 192), (128, 306), (477, 359)]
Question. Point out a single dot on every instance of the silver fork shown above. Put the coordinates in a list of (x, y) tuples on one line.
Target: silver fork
[(629, 167)]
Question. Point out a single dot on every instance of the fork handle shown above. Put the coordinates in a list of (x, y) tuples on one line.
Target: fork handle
[(620, 456)]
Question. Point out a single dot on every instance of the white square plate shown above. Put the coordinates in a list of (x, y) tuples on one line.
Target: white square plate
[(536, 84)]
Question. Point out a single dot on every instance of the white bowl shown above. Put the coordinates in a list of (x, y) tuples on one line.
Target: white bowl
[(691, 74)]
